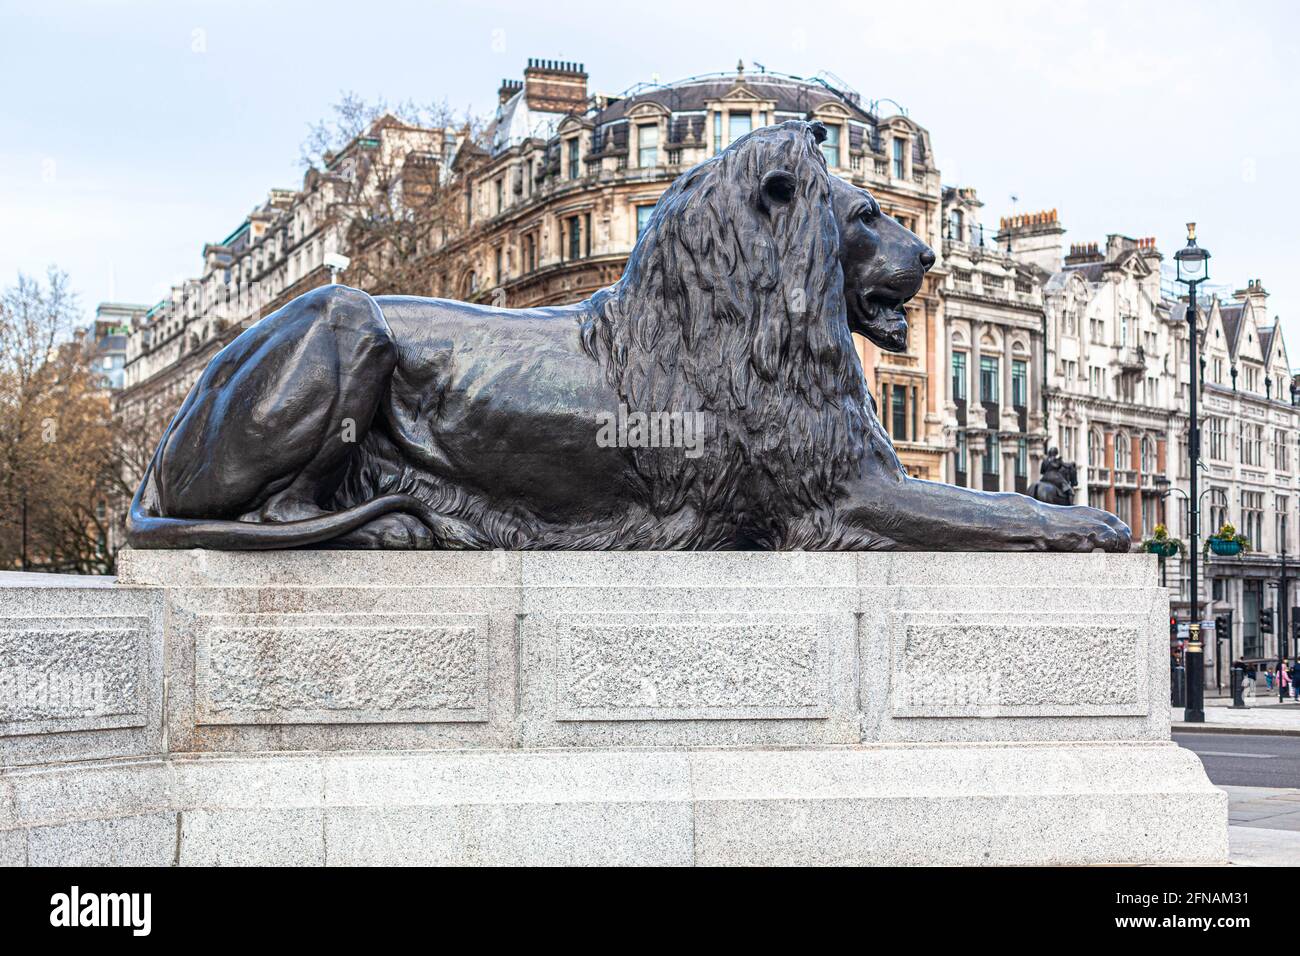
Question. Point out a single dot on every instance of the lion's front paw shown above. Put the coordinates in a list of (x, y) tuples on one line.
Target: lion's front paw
[(1081, 528)]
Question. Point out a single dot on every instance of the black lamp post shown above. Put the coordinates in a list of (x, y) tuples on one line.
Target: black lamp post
[(1193, 264)]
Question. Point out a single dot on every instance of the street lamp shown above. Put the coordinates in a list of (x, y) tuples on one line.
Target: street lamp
[(1193, 265)]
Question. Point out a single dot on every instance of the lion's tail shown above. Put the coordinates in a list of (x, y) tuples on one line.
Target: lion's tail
[(145, 529)]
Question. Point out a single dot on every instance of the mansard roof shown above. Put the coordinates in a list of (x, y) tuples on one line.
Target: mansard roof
[(790, 95)]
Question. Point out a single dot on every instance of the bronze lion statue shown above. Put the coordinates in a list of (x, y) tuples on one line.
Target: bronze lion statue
[(710, 399)]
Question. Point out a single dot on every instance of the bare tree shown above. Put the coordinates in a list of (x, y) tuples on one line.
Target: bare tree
[(394, 194), (58, 463)]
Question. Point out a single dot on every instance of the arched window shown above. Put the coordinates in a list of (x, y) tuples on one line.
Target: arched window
[(1148, 455), (1123, 452), (1096, 449)]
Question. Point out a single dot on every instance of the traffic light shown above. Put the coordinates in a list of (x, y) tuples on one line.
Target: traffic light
[(1266, 621)]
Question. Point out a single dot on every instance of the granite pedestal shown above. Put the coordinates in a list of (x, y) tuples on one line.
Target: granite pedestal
[(325, 707)]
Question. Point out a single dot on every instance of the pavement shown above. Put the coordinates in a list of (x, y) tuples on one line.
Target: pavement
[(1261, 775), (1262, 715)]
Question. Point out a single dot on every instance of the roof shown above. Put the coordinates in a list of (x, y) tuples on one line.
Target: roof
[(516, 122), (1230, 315), (790, 94)]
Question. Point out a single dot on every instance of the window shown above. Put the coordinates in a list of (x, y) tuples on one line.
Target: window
[(989, 382), (1019, 384), (647, 137), (497, 266), (1069, 447), (1216, 428), (1096, 450), (738, 124), (1022, 457), (1252, 444), (992, 454), (900, 171), (831, 145), (717, 132), (961, 452), (500, 187), (1097, 381), (1252, 518), (1123, 452), (898, 413), (959, 376), (954, 225), (1096, 330), (1148, 456), (530, 252), (1071, 370), (575, 237), (1281, 451), (1280, 527), (1218, 509), (573, 158), (643, 218)]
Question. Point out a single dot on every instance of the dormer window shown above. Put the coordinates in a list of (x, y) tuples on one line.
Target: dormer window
[(900, 157), (831, 145), (574, 171), (647, 137), (738, 124)]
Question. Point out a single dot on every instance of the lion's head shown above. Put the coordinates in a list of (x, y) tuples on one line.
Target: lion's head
[(884, 264), (732, 302)]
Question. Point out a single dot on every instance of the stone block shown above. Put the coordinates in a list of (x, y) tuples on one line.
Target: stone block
[(324, 669), (80, 670)]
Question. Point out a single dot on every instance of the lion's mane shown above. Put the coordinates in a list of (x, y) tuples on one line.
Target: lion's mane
[(734, 306)]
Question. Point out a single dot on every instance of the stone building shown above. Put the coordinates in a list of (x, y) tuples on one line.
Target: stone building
[(1250, 446), (993, 318), (1114, 355), (106, 339)]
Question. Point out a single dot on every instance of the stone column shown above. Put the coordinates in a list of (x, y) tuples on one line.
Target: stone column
[(975, 400)]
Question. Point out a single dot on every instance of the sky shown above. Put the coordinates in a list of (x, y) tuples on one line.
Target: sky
[(131, 133)]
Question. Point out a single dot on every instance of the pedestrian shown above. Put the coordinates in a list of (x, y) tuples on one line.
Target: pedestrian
[(1295, 679), (1283, 679), (1268, 676), (1248, 682)]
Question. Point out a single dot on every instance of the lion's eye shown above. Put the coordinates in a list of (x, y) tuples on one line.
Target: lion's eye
[(869, 212)]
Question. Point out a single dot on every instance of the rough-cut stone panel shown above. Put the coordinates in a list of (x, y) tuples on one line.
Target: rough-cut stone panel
[(61, 674), (691, 666), (296, 669), (1007, 666)]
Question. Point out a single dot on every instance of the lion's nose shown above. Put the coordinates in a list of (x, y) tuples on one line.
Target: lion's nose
[(927, 258)]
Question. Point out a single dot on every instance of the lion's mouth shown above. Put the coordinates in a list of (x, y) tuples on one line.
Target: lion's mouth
[(882, 319)]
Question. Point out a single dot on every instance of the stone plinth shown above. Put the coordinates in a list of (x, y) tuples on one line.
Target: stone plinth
[(353, 707)]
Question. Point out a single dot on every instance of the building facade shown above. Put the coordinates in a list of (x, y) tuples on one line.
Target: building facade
[(1112, 376), (993, 319), (1250, 446), (106, 340)]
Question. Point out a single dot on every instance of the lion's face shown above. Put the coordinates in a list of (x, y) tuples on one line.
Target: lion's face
[(883, 264)]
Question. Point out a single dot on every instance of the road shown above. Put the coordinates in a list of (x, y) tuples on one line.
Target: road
[(1246, 760)]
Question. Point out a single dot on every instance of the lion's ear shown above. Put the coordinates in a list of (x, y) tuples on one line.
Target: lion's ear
[(779, 186)]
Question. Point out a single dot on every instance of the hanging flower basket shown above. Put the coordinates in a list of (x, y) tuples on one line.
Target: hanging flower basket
[(1225, 546), (1227, 542), (1160, 543)]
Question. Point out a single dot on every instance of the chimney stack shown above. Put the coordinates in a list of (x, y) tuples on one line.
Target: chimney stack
[(555, 86), (1033, 237)]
